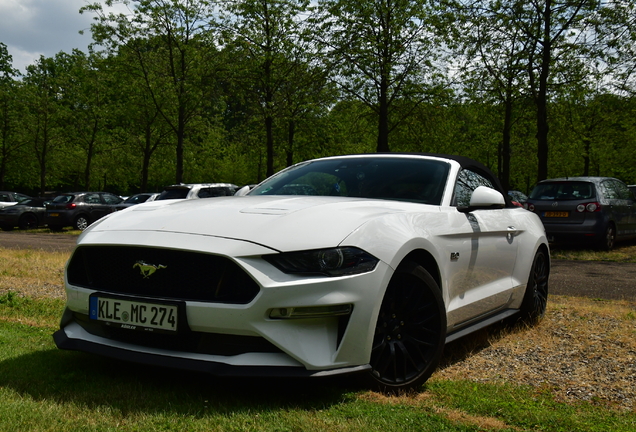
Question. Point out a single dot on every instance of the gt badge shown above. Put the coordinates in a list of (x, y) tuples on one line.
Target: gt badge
[(147, 270)]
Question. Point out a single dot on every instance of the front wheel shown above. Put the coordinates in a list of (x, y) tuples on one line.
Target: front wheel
[(28, 221), (410, 332), (535, 299)]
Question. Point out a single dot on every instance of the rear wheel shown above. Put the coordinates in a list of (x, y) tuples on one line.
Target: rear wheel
[(535, 299), (28, 221), (81, 223), (410, 332), (606, 243)]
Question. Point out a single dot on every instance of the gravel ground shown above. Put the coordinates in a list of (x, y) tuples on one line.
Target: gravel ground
[(584, 349)]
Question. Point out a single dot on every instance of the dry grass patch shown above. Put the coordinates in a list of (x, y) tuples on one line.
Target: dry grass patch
[(33, 273), (623, 252), (582, 350)]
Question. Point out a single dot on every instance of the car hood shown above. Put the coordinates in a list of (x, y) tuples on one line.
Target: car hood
[(282, 223)]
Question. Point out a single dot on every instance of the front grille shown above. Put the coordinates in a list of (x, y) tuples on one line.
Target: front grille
[(161, 273)]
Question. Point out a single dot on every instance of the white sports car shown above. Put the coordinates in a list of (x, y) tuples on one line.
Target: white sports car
[(364, 263)]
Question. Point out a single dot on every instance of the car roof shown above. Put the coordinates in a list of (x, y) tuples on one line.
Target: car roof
[(191, 185), (592, 179)]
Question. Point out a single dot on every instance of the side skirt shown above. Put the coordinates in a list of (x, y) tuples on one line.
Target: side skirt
[(481, 324)]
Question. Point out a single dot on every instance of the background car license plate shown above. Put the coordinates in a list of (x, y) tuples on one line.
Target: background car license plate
[(134, 315), (556, 214)]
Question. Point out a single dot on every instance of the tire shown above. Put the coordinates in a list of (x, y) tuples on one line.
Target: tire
[(410, 332), (81, 223), (28, 221), (535, 299), (606, 243)]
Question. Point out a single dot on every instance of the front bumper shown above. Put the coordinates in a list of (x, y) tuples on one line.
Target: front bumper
[(312, 346)]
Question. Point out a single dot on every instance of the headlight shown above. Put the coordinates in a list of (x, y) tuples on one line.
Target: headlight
[(340, 261)]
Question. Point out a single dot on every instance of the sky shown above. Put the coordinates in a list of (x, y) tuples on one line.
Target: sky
[(31, 28)]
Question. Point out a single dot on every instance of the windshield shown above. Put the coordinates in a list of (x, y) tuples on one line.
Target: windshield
[(402, 179), (565, 190)]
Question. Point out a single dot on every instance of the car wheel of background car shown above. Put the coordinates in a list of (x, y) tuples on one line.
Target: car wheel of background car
[(81, 223), (536, 297), (606, 243), (28, 221), (410, 332)]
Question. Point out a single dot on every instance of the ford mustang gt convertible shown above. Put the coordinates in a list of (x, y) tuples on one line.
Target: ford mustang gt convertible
[(365, 264)]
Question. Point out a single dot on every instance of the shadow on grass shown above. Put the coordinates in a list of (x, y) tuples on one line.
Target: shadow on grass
[(93, 381)]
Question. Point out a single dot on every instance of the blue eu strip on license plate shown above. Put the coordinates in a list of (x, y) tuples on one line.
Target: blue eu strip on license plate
[(133, 315)]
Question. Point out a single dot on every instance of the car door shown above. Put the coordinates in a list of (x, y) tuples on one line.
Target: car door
[(620, 205), (482, 249), (629, 204), (94, 206), (109, 203)]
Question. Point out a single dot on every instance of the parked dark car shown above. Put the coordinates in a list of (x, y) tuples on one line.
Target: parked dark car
[(11, 198), (197, 190), (518, 198), (594, 210), (27, 214), (139, 198), (633, 189), (79, 209)]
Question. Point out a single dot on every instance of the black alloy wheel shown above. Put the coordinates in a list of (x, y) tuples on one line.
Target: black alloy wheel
[(410, 333), (535, 299), (28, 221)]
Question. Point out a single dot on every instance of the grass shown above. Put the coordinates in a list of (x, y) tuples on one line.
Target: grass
[(46, 389), (623, 252)]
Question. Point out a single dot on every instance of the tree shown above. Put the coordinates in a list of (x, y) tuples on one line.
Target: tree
[(556, 31), (269, 40), (492, 58), (379, 52), (169, 41), (10, 105), (42, 92)]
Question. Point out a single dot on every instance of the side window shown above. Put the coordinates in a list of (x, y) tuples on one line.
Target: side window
[(467, 182), (111, 199), (609, 189), (92, 199), (622, 190)]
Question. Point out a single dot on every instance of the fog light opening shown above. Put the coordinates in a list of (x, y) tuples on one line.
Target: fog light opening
[(310, 311)]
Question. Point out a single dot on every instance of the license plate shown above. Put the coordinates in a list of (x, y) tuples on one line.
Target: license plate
[(54, 214), (557, 214), (134, 315)]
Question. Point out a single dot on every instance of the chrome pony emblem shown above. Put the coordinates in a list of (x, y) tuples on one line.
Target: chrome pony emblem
[(147, 270)]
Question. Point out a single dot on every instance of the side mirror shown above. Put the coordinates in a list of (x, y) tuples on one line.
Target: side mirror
[(242, 191), (484, 198)]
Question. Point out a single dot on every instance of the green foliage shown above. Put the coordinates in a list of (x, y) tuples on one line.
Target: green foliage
[(233, 91)]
